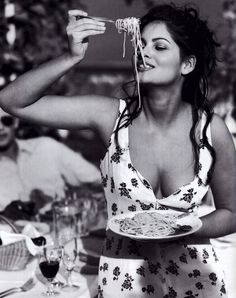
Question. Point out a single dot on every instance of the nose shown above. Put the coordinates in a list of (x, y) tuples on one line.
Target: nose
[(146, 51)]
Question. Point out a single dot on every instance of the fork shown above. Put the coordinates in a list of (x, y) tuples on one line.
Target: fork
[(29, 284), (96, 18)]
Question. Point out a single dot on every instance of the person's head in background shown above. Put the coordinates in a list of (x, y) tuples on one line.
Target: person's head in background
[(8, 127)]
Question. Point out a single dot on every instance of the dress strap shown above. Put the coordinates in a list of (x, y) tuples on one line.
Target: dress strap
[(205, 158), (123, 133), (208, 131), (122, 107)]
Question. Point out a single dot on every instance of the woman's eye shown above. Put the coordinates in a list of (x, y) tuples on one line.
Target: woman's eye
[(160, 48)]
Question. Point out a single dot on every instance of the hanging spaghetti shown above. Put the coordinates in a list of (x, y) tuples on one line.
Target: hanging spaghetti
[(130, 26)]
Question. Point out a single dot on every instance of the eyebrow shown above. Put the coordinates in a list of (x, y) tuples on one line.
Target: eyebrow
[(158, 38)]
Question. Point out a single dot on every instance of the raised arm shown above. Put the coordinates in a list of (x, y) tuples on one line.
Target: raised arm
[(24, 97)]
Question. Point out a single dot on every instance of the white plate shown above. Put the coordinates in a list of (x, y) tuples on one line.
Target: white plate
[(188, 219)]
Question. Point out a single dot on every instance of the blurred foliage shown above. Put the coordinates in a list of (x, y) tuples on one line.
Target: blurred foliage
[(224, 79), (40, 33)]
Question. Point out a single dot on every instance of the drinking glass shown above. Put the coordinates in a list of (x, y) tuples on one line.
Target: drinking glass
[(49, 263), (69, 259)]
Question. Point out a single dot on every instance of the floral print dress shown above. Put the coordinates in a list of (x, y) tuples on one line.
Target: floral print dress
[(130, 268)]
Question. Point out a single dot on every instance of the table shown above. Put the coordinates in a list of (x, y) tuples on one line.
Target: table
[(87, 282)]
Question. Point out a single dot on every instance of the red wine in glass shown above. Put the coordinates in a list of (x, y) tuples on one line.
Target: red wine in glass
[(49, 269), (49, 263)]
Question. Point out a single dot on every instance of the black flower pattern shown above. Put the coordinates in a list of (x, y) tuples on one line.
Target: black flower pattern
[(172, 268), (130, 166), (134, 182), (199, 182), (127, 284), (188, 196), (104, 180), (222, 289), (145, 206), (149, 289), (116, 273), (154, 268), (116, 156), (132, 208), (199, 285), (205, 255), (146, 184), (114, 208), (183, 258), (104, 281), (171, 294), (141, 271), (104, 267), (192, 252), (162, 208), (213, 278), (124, 191), (195, 273), (100, 292)]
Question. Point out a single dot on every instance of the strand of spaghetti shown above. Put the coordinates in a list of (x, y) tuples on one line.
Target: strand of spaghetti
[(124, 44), (130, 26)]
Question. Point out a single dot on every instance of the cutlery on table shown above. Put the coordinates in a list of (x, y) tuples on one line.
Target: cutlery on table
[(29, 284)]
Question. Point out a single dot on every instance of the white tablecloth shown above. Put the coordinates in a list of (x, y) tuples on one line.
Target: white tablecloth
[(9, 279)]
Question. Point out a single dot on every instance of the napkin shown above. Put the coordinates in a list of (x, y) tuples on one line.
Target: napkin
[(28, 232)]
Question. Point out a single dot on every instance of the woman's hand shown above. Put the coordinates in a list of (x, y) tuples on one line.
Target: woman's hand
[(79, 29)]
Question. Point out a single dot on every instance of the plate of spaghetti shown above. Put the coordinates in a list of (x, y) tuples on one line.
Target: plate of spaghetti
[(155, 224)]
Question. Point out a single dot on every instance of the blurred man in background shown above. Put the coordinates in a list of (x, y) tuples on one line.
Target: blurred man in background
[(40, 165)]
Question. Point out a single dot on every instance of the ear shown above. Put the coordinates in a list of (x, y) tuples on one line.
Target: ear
[(188, 65)]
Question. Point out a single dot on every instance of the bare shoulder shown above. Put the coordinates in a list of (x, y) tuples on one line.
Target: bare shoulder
[(221, 136), (100, 111)]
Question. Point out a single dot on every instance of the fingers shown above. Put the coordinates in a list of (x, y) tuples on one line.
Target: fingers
[(77, 12), (86, 24), (81, 28), (74, 14)]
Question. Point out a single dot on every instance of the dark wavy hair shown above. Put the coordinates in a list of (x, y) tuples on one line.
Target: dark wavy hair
[(193, 37)]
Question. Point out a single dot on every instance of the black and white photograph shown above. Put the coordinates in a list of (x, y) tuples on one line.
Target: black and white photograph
[(118, 148)]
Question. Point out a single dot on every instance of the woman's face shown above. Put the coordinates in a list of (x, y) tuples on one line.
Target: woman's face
[(161, 55)]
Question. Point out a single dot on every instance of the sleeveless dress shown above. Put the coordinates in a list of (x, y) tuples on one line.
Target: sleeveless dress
[(130, 268)]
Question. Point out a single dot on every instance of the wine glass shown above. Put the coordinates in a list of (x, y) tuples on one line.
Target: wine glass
[(49, 263), (69, 259)]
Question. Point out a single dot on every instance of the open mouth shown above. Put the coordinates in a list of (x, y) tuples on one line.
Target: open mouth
[(142, 67)]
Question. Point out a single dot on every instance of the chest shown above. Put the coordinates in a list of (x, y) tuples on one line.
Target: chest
[(165, 159)]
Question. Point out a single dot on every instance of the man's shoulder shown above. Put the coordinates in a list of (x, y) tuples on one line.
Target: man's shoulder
[(39, 143)]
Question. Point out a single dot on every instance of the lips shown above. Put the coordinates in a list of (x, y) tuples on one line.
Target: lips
[(146, 67)]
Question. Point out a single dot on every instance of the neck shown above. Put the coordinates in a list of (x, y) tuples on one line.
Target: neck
[(163, 105), (10, 152)]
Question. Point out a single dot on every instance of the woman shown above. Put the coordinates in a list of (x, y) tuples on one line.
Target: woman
[(165, 155)]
